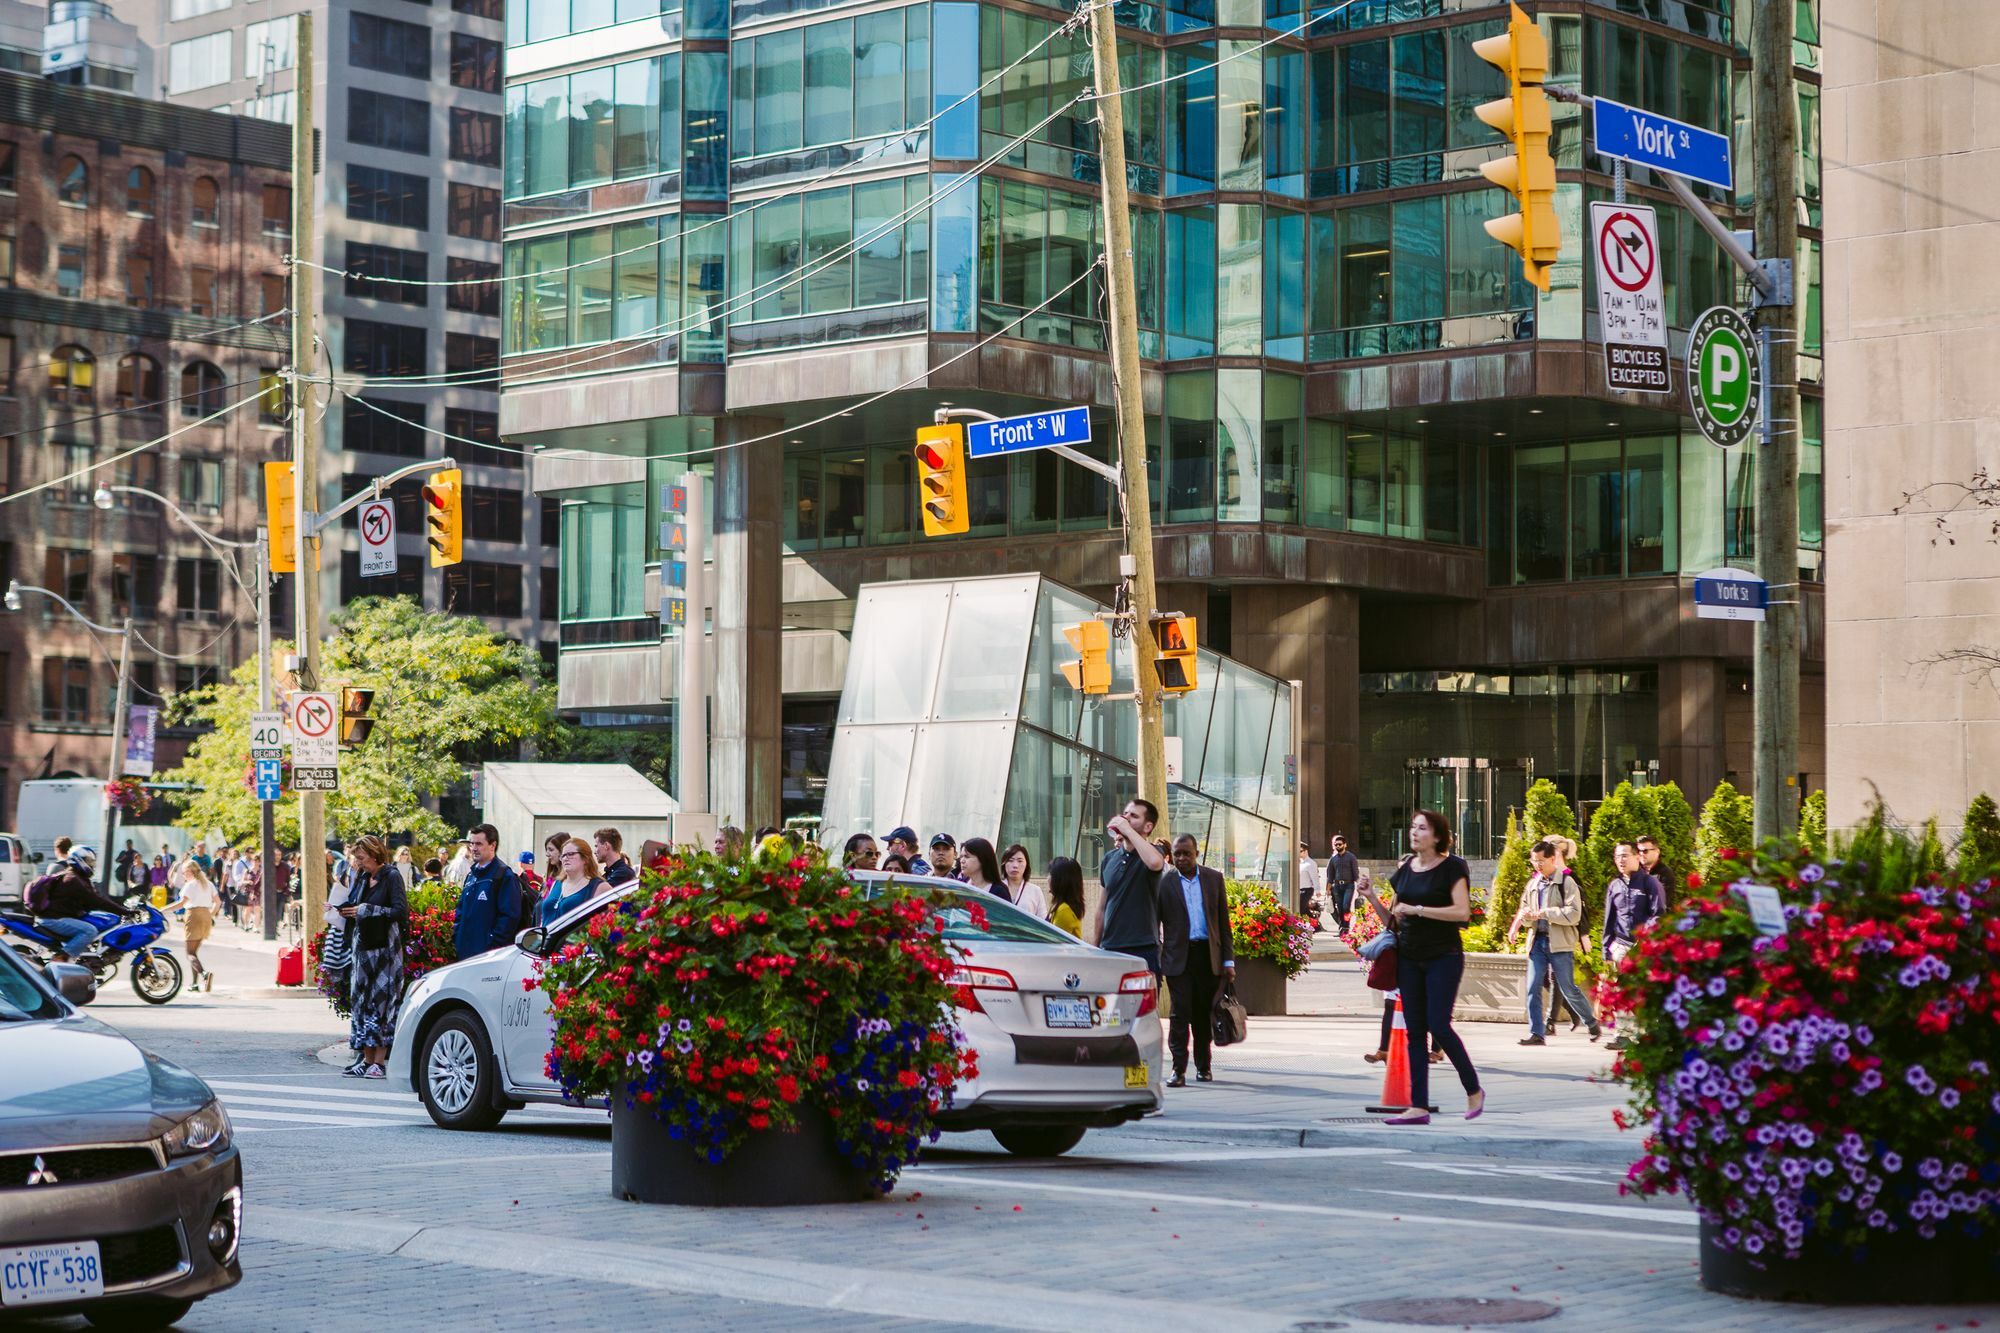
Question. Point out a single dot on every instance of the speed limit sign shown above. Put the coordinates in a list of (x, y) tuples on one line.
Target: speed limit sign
[(267, 735)]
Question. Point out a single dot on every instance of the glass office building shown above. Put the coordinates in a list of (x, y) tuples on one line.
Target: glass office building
[(767, 240)]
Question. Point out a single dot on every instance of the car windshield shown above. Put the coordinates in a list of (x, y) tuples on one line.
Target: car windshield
[(1004, 921), (20, 998)]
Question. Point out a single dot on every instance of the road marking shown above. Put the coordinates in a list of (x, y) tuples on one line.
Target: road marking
[(245, 1104), (1557, 1206), (402, 1101), (1561, 1175), (316, 1118)]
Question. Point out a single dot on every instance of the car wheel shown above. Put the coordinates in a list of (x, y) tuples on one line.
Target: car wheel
[(1039, 1140), (455, 1073), (137, 1315)]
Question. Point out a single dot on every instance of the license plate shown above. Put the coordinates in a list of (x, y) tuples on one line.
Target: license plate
[(1066, 1011), (37, 1274), (1137, 1076)]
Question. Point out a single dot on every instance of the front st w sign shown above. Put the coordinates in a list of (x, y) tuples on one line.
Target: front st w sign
[(1631, 313), (1723, 375)]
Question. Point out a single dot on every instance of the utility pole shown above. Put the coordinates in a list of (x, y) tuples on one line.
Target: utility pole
[(691, 707), (305, 454), (1137, 573), (108, 853), (267, 824), (1774, 120)]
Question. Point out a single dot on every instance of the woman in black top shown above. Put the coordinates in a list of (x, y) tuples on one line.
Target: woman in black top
[(1433, 904)]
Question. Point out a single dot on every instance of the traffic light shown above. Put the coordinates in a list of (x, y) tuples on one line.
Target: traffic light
[(355, 724), (1091, 673), (1173, 653), (941, 480), (281, 517), (444, 517), (1529, 174)]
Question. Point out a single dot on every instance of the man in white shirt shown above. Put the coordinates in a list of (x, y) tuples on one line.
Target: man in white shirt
[(1311, 886)]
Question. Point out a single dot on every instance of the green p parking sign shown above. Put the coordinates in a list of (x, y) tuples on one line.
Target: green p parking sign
[(1723, 375)]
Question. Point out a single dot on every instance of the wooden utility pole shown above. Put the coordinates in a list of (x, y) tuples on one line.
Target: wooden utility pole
[(1774, 120), (305, 452), (1141, 596)]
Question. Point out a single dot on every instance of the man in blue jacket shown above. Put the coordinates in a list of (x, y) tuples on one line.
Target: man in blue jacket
[(489, 903)]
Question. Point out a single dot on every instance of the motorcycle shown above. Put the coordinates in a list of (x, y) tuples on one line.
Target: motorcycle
[(156, 973)]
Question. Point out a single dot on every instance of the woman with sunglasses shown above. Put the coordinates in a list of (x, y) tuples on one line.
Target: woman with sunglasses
[(580, 882)]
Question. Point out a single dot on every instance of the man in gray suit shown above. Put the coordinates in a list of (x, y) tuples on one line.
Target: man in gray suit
[(1196, 954)]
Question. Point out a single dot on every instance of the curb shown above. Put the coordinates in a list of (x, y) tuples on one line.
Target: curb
[(335, 1056), (271, 993), (1427, 1139)]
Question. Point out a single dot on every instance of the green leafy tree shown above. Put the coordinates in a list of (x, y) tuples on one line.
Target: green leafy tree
[(1670, 822), (1549, 812), (1727, 824), (1979, 842), (1510, 876), (1930, 850), (1620, 817), (448, 692), (1812, 824)]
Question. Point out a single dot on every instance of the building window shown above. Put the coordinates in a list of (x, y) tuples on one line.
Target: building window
[(202, 298), (368, 266), (383, 120), (383, 426), (475, 137), (269, 46), (188, 9), (271, 294), (394, 197), (67, 573), (493, 515), (478, 431), (139, 192), (474, 212), (65, 689), (206, 210), (6, 261), (476, 288), (135, 585), (198, 587), (614, 123), (201, 485), (272, 106), (469, 354), (72, 372), (138, 381), (201, 389), (478, 588), (73, 182), (483, 9), (139, 281), (6, 369), (475, 63), (551, 527), (274, 397), (199, 62), (375, 348), (389, 45), (192, 676), (278, 211), (7, 150), (69, 270), (407, 581)]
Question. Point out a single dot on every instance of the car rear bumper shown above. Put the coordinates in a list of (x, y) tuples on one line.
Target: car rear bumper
[(1021, 1108), (151, 1229)]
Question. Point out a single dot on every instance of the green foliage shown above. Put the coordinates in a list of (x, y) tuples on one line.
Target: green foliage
[(1812, 824), (1930, 850), (1620, 817), (1549, 813), (1727, 824), (1979, 842), (1510, 876), (1260, 926), (447, 690), (1670, 821)]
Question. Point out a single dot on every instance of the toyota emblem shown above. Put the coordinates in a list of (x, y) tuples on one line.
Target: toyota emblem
[(1072, 981)]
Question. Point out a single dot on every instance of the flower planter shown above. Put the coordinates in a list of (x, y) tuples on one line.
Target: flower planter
[(1897, 1269), (771, 1169), (1260, 985), (1495, 989)]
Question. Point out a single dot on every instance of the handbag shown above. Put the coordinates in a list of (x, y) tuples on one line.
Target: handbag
[(1380, 953), (1377, 944), (1230, 1019), (374, 932)]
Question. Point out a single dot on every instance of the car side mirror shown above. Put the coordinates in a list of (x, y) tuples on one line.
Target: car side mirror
[(76, 984), (36, 857), (533, 940)]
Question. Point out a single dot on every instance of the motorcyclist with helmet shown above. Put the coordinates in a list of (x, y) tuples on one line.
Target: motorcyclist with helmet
[(61, 899)]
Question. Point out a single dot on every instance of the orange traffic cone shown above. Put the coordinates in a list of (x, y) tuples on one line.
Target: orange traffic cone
[(1396, 1075)]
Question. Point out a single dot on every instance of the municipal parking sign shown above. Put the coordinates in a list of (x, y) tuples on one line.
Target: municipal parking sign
[(1723, 375)]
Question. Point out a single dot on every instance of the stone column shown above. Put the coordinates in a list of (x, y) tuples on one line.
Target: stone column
[(1693, 704), (1312, 634), (745, 757)]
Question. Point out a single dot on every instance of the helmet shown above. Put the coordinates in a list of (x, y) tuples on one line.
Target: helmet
[(84, 859)]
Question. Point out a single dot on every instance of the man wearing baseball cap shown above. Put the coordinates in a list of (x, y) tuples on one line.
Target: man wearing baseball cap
[(902, 841), (944, 856)]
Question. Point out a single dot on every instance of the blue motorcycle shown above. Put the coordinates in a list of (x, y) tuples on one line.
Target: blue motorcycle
[(156, 973)]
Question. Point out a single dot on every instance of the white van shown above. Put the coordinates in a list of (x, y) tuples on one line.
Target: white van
[(73, 808), (15, 872)]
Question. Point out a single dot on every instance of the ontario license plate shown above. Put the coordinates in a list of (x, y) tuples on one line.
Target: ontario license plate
[(1066, 1011), (1137, 1076), (39, 1274)]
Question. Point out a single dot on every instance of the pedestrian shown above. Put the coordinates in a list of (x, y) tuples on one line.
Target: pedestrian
[(336, 962), (232, 885), (581, 881), (1066, 909), (1017, 888), (1196, 954), (610, 851), (1552, 904), (903, 842), (532, 887), (380, 909), (1381, 1051), (433, 874), (253, 892), (461, 861), (201, 858), (1127, 919), (406, 866), (729, 841), (489, 902), (552, 850), (1630, 901), (156, 878), (129, 883), (63, 846), (895, 865), (944, 856), (1663, 874), (201, 900), (979, 867), (860, 853), (1343, 874), (1312, 886), (1433, 905), (64, 896)]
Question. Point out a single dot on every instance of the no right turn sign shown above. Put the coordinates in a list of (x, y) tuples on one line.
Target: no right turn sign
[(1631, 312)]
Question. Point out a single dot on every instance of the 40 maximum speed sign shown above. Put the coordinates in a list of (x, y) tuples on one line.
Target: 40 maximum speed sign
[(1723, 375)]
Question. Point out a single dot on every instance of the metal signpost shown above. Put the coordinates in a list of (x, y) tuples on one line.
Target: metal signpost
[(1631, 310), (1723, 375), (378, 538), (1730, 594), (1646, 139)]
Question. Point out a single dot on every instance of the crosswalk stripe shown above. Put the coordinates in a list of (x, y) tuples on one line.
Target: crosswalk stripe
[(260, 1113), (347, 1092), (252, 1104), (349, 1107)]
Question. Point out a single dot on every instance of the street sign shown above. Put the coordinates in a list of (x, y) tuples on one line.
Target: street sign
[(1036, 430), (1730, 594), (270, 779), (378, 538), (267, 736), (1722, 375), (1649, 140), (315, 734), (1631, 313), (321, 778), (140, 720)]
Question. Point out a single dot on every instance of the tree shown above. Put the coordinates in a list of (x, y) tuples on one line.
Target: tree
[(1727, 823), (1620, 817), (1979, 841), (448, 691), (1812, 824), (1510, 876), (1670, 822), (1549, 812)]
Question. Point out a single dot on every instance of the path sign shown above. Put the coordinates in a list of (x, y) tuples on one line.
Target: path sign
[(1664, 144), (1035, 430), (267, 735), (378, 538), (1730, 594), (270, 779), (1722, 375), (1631, 312), (315, 733)]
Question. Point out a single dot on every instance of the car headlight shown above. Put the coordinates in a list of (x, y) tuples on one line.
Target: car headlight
[(205, 1131)]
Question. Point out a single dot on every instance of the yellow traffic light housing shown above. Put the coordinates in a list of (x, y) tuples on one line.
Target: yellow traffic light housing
[(941, 480), (444, 516), (1529, 174), (1091, 672), (355, 724), (1173, 653), (281, 516)]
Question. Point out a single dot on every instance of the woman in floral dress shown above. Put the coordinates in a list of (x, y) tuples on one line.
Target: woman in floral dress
[(380, 912)]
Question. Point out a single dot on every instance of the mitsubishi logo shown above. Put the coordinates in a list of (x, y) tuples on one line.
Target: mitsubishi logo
[(40, 1174)]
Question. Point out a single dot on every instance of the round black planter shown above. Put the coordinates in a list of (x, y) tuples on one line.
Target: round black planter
[(771, 1169), (1899, 1269)]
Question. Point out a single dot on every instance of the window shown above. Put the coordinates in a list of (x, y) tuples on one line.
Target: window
[(202, 289), (198, 587), (367, 263), (201, 389), (69, 270), (73, 182), (72, 371), (551, 534), (384, 349), (493, 515), (65, 689), (475, 137), (394, 197), (67, 573), (206, 209), (135, 585), (476, 588), (469, 423), (199, 62), (139, 191), (138, 381), (383, 426), (468, 353), (407, 581), (7, 150), (482, 9), (271, 294), (475, 63), (268, 47), (187, 9), (479, 293), (278, 211), (613, 123), (6, 261), (6, 370), (274, 397), (192, 676), (389, 45), (383, 120), (474, 212), (201, 485), (272, 106)]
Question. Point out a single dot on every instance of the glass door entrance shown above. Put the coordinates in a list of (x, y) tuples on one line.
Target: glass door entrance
[(1475, 794)]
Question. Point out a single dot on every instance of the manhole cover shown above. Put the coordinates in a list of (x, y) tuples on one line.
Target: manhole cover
[(1447, 1310)]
